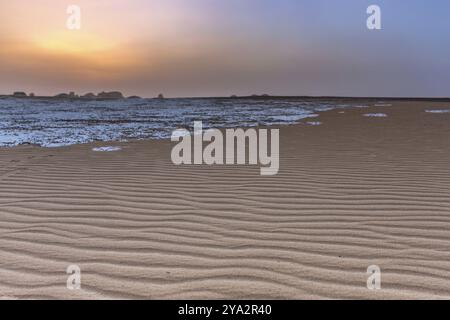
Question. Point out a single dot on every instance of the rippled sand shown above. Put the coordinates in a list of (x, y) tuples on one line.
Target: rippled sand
[(352, 192)]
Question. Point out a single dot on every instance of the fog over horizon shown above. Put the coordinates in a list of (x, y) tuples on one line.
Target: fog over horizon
[(207, 48)]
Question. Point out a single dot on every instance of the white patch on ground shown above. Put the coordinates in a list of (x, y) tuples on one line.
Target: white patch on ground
[(314, 123), (437, 111), (292, 118), (362, 106), (179, 133), (106, 149), (375, 115), (383, 105)]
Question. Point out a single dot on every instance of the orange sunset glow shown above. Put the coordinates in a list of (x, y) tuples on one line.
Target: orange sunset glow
[(213, 47), (117, 43)]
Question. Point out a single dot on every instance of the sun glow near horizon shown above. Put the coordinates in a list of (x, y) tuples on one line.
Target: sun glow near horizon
[(41, 54), (216, 47), (76, 54), (72, 43)]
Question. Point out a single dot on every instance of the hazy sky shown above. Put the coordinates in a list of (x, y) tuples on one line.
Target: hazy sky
[(224, 47)]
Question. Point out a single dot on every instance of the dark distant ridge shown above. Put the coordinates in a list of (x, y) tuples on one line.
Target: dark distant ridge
[(337, 98), (112, 95), (116, 95), (19, 94), (346, 98), (323, 98)]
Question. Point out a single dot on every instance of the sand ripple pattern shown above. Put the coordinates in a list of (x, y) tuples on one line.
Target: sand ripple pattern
[(348, 195)]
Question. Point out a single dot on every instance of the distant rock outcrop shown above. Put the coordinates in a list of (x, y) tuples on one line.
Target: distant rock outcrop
[(134, 97), (19, 94), (62, 96), (89, 95), (110, 95), (160, 96)]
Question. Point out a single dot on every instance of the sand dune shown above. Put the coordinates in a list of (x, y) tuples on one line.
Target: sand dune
[(352, 192)]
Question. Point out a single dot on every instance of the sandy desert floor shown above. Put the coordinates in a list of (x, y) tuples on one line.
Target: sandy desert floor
[(353, 192)]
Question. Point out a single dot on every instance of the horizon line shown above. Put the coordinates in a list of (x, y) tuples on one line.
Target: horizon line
[(267, 96)]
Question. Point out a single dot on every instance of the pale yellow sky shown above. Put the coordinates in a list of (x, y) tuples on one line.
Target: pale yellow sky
[(118, 41)]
